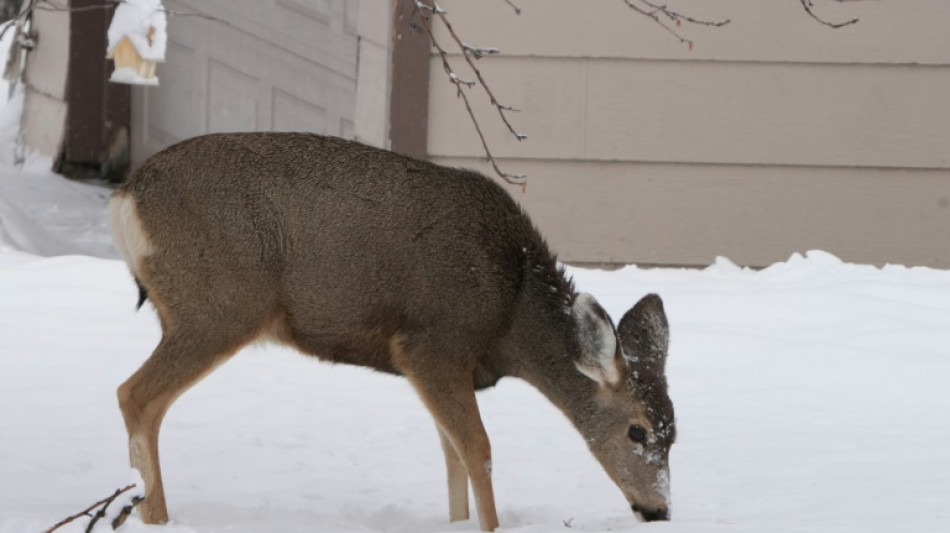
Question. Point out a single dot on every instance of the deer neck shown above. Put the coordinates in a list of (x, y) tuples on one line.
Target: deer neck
[(541, 350)]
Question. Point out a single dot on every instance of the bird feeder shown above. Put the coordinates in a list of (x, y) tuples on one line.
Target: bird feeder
[(137, 41)]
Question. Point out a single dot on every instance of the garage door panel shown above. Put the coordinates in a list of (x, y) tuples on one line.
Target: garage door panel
[(291, 113), (232, 99), (287, 65)]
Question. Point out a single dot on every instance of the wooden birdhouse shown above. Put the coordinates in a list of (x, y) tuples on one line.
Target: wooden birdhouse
[(137, 41)]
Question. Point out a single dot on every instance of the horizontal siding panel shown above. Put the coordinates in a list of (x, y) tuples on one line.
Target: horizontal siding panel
[(897, 31), (723, 113), (689, 214)]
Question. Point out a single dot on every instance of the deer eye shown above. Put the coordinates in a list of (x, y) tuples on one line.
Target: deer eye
[(637, 434)]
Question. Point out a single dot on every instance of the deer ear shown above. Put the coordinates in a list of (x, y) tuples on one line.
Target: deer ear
[(599, 358), (644, 334)]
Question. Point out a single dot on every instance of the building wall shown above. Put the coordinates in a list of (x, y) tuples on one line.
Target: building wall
[(285, 65), (774, 135), (44, 107)]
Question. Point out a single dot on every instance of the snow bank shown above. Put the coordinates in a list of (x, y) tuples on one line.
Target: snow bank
[(45, 214), (810, 396)]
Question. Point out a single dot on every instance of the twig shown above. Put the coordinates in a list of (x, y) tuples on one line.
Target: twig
[(481, 80), (676, 17), (653, 12), (513, 6), (85, 512), (809, 4), (458, 82), (434, 8)]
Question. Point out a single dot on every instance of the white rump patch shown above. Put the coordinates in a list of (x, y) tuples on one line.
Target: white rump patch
[(597, 340), (127, 232)]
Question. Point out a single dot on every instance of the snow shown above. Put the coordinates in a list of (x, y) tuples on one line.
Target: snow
[(44, 214), (129, 75), (134, 19)]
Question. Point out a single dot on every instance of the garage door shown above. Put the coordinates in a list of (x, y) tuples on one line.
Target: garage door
[(274, 65)]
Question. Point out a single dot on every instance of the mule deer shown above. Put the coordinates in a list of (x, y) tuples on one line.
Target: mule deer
[(357, 255)]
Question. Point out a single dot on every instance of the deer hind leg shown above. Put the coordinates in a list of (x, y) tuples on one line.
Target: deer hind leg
[(449, 394), (182, 358), (457, 480)]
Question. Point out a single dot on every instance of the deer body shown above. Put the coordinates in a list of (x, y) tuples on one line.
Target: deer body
[(360, 256)]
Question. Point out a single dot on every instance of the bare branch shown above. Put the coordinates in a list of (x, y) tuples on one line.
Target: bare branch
[(513, 6), (809, 5), (514, 179), (654, 11), (676, 17), (481, 80), (85, 512)]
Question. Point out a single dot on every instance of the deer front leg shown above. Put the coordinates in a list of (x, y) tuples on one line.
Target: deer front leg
[(450, 397), (181, 359), (457, 480)]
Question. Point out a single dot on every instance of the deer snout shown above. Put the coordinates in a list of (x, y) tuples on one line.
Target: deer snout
[(651, 515)]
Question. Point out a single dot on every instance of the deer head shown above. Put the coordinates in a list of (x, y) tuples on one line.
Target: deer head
[(630, 427)]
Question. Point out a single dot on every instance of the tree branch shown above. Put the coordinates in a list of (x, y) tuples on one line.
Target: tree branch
[(85, 512), (426, 23), (809, 5), (478, 74), (654, 11), (426, 11)]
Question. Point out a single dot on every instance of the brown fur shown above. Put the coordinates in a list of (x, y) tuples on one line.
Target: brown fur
[(361, 256)]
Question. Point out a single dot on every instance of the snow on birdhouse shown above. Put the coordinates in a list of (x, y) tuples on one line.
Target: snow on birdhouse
[(137, 41)]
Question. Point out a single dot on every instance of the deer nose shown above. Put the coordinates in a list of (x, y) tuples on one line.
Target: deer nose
[(652, 515)]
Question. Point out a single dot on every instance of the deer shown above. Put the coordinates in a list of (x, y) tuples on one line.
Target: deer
[(358, 255)]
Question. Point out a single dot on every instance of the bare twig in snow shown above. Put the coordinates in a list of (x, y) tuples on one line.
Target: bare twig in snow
[(86, 512)]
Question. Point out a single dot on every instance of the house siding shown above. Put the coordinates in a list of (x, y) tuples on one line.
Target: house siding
[(774, 135)]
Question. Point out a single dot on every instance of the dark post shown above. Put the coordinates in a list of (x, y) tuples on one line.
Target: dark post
[(409, 103), (97, 120)]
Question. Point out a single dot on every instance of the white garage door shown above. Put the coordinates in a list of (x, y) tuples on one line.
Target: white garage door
[(275, 65)]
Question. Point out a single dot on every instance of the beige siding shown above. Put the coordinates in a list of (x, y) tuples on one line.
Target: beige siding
[(775, 135)]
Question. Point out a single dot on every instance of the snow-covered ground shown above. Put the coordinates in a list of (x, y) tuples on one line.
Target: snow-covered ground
[(811, 396)]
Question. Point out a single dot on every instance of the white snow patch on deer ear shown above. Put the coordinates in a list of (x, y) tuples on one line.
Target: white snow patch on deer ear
[(597, 341)]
